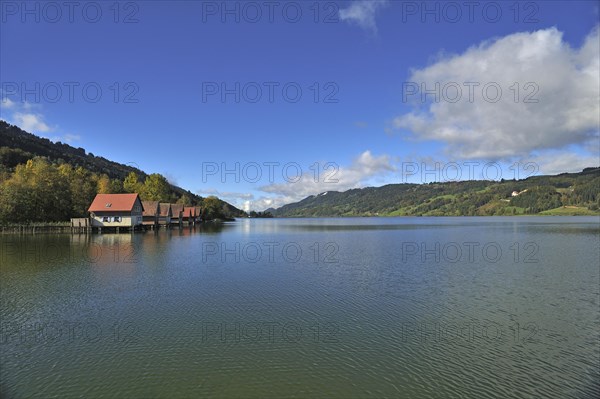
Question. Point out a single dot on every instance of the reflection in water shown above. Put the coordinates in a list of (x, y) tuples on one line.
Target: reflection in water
[(373, 307)]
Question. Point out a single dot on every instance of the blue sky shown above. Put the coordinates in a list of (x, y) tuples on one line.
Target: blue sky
[(143, 82)]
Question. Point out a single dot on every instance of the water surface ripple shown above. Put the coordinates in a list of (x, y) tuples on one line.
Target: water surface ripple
[(368, 307)]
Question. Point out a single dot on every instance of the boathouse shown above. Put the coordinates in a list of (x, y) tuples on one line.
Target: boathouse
[(116, 210), (150, 214), (165, 214), (189, 215), (177, 213)]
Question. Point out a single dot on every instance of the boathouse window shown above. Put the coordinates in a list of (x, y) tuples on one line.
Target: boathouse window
[(106, 219), (117, 219)]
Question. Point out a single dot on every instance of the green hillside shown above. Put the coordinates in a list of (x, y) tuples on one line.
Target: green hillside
[(564, 194)]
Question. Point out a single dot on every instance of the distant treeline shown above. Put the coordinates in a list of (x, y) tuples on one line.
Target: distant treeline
[(578, 193), (254, 214)]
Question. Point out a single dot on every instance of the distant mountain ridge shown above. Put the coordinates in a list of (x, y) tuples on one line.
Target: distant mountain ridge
[(566, 193)]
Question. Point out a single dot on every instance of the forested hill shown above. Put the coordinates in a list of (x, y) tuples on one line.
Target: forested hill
[(564, 194), (43, 181), (18, 146)]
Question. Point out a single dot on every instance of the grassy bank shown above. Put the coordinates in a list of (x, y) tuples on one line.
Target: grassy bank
[(570, 211)]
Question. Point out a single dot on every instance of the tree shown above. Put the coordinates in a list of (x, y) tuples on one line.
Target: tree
[(156, 188), (104, 185), (212, 207), (131, 184), (116, 186), (82, 188), (185, 200), (37, 191)]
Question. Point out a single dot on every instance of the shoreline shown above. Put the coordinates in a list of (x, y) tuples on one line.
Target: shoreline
[(65, 227)]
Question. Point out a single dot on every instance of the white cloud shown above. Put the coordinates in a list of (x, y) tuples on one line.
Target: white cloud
[(29, 122), (69, 138), (245, 196), (334, 178), (7, 103), (567, 111), (555, 162), (224, 194), (27, 116), (362, 13), (263, 203)]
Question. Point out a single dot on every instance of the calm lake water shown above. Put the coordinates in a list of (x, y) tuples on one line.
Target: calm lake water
[(364, 307)]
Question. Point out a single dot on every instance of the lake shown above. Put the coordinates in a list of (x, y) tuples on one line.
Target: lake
[(477, 307)]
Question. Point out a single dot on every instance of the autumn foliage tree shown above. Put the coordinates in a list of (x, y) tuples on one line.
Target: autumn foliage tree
[(131, 184), (155, 188), (36, 191)]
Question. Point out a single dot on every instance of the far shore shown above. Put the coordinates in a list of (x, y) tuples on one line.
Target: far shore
[(65, 227)]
